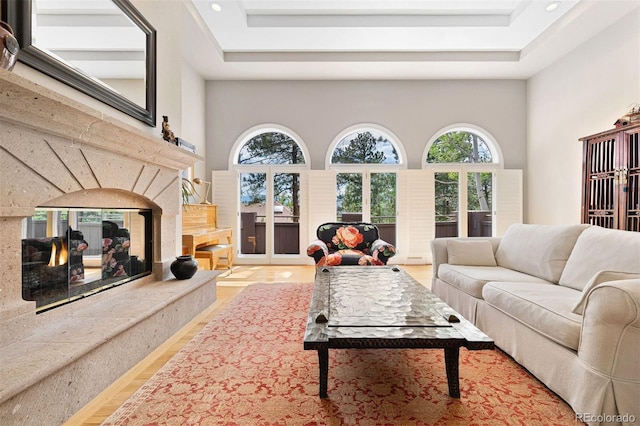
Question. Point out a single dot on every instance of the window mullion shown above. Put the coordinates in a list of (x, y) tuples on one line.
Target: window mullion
[(463, 220), (366, 196)]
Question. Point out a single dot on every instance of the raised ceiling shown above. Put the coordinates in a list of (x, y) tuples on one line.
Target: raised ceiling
[(334, 39), (397, 39)]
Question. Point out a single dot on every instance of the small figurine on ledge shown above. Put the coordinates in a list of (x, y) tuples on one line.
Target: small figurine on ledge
[(167, 133)]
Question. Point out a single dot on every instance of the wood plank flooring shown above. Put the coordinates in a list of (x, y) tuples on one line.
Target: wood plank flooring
[(229, 285)]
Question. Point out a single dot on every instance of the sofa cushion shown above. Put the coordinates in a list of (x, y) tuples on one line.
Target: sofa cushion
[(601, 249), (471, 279), (597, 279), (470, 252), (540, 250), (544, 308)]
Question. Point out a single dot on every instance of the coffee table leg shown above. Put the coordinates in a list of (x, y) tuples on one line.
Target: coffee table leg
[(323, 362), (451, 361)]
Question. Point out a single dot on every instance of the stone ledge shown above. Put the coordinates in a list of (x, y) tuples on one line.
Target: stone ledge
[(78, 350), (34, 106)]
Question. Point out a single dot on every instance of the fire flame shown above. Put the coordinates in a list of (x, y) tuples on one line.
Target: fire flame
[(58, 257)]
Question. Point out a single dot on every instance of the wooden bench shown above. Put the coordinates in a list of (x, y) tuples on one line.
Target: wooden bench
[(211, 256)]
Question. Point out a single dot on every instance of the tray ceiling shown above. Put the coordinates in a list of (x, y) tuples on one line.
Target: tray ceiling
[(344, 39)]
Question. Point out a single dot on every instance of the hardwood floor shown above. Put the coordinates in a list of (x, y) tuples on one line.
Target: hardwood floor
[(229, 285)]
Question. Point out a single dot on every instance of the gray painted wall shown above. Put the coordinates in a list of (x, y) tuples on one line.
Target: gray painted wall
[(319, 110)]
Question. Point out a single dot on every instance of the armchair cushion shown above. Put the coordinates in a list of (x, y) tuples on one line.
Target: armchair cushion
[(354, 243)]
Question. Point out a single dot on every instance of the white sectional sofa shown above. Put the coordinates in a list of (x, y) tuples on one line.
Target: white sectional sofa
[(563, 301)]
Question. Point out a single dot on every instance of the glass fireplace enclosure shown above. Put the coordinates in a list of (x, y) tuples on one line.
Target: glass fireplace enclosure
[(71, 253)]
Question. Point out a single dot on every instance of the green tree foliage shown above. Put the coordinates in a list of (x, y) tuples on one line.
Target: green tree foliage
[(271, 148), (253, 187), (459, 147), (363, 148), (349, 195), (383, 197), (446, 196)]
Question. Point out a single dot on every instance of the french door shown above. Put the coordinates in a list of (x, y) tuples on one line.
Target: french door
[(368, 197), (270, 215), (464, 202)]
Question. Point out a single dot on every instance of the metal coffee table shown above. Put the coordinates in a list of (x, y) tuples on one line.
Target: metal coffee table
[(384, 307)]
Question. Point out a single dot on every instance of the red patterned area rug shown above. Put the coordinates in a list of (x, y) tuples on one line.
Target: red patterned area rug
[(248, 367)]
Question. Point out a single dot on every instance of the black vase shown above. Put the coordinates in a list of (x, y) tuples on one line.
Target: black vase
[(184, 267)]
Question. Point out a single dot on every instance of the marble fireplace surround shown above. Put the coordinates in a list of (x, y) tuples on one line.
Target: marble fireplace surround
[(57, 152)]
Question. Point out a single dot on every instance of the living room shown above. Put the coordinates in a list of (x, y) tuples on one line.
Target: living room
[(575, 79)]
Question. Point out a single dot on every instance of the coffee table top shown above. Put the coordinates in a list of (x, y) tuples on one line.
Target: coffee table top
[(386, 304)]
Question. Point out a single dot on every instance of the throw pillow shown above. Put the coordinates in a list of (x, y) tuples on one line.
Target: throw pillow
[(470, 253), (599, 278)]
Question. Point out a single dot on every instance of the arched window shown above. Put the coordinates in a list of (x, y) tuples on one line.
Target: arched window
[(459, 146), (365, 146), (271, 147), (270, 161), (368, 158), (464, 159)]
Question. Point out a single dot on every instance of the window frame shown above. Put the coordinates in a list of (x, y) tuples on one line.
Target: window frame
[(463, 169), (270, 170)]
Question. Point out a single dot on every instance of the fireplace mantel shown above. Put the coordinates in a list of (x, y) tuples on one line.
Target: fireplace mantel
[(36, 121), (31, 105)]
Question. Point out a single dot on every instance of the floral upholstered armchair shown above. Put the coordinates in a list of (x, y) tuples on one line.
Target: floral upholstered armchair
[(349, 244)]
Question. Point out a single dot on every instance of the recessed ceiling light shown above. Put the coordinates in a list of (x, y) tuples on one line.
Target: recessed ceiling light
[(553, 6), (216, 7)]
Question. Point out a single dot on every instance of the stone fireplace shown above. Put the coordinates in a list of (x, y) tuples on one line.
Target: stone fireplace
[(54, 153)]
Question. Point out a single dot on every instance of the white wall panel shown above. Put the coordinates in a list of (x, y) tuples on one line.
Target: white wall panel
[(416, 226), (321, 192), (225, 195), (508, 200)]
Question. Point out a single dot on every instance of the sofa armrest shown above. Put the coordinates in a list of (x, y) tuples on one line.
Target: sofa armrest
[(382, 250), (439, 253), (317, 249), (610, 335)]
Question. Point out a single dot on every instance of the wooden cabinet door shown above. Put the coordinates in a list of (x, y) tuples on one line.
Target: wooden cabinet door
[(629, 181), (611, 179), (600, 195)]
